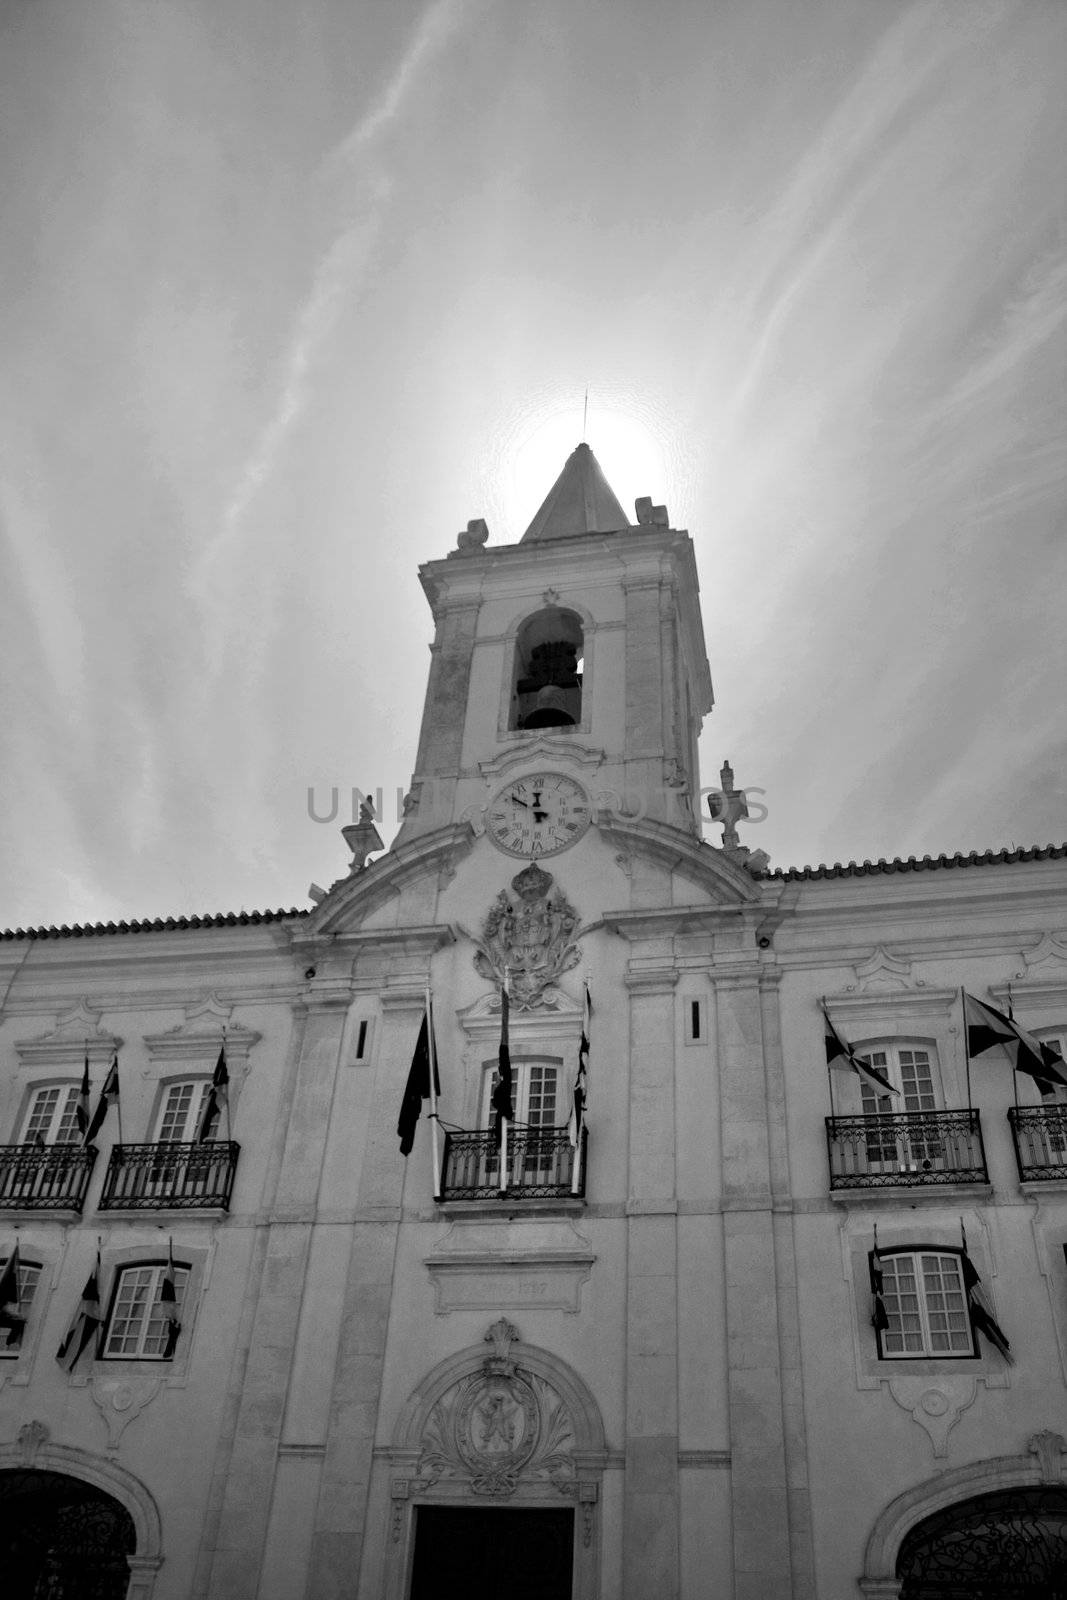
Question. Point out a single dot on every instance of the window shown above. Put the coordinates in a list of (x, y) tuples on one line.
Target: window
[(137, 1326), (695, 1026), (535, 1143), (11, 1332), (534, 1093), (51, 1115), (547, 688), (179, 1115), (925, 1305), (911, 1068)]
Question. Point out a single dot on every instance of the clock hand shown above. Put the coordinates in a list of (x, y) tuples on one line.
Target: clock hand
[(539, 816), (517, 802)]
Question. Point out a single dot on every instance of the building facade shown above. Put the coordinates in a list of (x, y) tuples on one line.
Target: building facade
[(733, 1333)]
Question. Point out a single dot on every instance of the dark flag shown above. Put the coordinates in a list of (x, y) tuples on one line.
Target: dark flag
[(502, 1091), (577, 1117), (85, 1322), (418, 1086), (168, 1304), (109, 1092), (840, 1054), (879, 1314), (982, 1318), (988, 1027), (11, 1300), (217, 1096), (81, 1110)]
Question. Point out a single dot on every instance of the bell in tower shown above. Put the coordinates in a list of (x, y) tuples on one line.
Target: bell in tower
[(548, 682)]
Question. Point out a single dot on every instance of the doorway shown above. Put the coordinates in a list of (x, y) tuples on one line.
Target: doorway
[(62, 1539), (525, 1554), (1008, 1545)]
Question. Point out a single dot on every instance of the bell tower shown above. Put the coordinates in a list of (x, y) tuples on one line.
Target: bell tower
[(581, 646)]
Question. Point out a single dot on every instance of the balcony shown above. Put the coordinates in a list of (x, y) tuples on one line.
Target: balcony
[(51, 1177), (170, 1177), (1040, 1134), (540, 1165), (906, 1149)]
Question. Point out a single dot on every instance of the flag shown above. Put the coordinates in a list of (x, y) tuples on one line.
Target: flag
[(577, 1116), (982, 1318), (879, 1314), (10, 1296), (85, 1322), (988, 1027), (502, 1092), (418, 1085), (841, 1055), (168, 1304), (217, 1096), (81, 1110), (109, 1092)]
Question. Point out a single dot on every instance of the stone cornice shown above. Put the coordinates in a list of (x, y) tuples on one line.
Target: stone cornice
[(899, 1004)]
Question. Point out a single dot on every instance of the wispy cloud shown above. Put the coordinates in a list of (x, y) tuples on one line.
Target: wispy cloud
[(341, 267)]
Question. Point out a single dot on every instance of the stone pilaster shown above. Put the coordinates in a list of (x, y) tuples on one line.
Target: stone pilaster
[(343, 1498), (243, 1523), (651, 1496), (759, 1480)]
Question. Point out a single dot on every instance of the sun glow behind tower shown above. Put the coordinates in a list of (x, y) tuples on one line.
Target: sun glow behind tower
[(635, 442)]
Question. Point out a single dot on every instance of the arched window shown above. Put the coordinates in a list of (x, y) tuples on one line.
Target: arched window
[(547, 688), (924, 1299), (140, 1323), (14, 1316), (51, 1115)]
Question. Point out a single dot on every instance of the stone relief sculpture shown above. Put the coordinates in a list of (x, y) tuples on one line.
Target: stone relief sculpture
[(528, 936), (496, 1426)]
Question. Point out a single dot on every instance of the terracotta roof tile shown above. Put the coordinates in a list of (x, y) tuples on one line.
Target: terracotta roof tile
[(217, 919), (973, 858)]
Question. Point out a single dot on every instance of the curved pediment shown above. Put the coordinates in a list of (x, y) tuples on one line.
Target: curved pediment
[(352, 900), (708, 869)]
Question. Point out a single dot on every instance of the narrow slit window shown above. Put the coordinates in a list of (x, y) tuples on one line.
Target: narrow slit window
[(696, 1029)]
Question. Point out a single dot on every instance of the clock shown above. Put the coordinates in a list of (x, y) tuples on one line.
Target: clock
[(538, 816)]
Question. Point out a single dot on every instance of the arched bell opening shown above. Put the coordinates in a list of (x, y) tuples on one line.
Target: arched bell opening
[(62, 1538), (1010, 1544), (547, 691)]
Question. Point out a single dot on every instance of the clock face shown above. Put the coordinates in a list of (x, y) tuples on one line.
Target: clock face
[(538, 816)]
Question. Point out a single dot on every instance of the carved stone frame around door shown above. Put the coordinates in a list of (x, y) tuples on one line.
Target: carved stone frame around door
[(503, 1424)]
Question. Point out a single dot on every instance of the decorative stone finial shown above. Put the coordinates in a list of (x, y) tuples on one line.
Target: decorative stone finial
[(650, 516), (730, 806), (362, 837), (474, 535)]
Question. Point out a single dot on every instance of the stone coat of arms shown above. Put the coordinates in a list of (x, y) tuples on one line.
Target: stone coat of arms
[(528, 938)]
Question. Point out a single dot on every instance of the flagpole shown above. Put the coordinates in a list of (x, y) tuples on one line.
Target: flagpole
[(829, 1068), (503, 1119), (229, 1125), (118, 1096), (966, 1051), (1015, 1063), (587, 1013), (432, 1057)]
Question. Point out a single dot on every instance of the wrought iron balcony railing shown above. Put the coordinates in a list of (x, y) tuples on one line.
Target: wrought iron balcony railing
[(1040, 1134), (165, 1177), (906, 1149), (540, 1165), (52, 1177)]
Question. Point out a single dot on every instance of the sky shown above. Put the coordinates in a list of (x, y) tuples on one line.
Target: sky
[(289, 293)]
